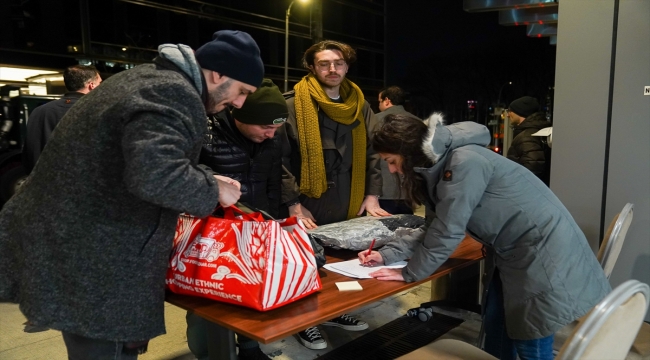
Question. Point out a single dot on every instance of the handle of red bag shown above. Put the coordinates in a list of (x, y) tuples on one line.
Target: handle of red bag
[(231, 211)]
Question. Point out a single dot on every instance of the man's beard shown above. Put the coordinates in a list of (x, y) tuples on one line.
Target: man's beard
[(218, 95)]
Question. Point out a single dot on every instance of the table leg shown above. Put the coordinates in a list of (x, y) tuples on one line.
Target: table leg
[(440, 288), (222, 342)]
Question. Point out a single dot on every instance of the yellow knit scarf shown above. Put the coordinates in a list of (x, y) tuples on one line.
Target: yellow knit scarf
[(313, 182)]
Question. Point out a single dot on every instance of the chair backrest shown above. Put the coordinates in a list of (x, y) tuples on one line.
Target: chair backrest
[(613, 241), (609, 330)]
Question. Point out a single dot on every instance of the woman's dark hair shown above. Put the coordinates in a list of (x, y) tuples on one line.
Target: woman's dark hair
[(403, 135)]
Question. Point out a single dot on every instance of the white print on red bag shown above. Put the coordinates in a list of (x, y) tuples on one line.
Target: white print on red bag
[(204, 249), (184, 228), (275, 257), (250, 264)]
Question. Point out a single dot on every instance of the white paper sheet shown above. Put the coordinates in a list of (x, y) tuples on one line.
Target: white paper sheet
[(353, 268)]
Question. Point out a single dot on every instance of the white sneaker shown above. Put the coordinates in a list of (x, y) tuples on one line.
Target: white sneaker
[(312, 339)]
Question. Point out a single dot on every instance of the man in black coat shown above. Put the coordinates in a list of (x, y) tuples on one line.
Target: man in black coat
[(527, 150), (244, 146), (79, 80), (85, 242)]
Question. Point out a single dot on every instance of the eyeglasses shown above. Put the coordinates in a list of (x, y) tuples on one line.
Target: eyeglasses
[(327, 65)]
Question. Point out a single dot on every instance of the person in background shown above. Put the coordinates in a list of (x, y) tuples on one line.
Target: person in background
[(337, 174), (527, 150), (391, 101), (544, 274), (79, 80), (85, 242), (244, 146)]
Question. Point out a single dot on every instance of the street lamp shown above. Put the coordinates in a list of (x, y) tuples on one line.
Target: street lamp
[(499, 97), (286, 45)]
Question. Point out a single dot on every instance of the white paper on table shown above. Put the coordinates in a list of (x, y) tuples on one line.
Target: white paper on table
[(353, 268)]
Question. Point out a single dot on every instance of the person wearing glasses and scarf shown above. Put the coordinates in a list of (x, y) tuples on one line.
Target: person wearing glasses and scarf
[(337, 174)]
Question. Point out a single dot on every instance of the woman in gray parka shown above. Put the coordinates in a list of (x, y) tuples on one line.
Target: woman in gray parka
[(545, 276)]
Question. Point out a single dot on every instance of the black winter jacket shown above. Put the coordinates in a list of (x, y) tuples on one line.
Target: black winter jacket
[(41, 123), (530, 151), (258, 167)]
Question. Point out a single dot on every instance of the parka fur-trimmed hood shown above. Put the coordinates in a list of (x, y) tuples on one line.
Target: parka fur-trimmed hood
[(442, 138)]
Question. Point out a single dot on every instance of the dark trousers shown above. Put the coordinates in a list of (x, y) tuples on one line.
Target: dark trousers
[(83, 348), (198, 340), (395, 206), (497, 341)]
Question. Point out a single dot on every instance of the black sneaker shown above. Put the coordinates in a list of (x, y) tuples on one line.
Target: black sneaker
[(312, 339), (252, 354), (347, 322)]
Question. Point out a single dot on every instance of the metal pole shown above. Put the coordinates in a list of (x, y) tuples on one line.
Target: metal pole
[(286, 48), (85, 27), (316, 21)]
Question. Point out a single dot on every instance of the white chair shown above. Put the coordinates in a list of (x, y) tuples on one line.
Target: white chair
[(613, 240), (607, 332)]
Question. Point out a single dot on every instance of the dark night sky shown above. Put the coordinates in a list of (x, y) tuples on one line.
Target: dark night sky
[(445, 56), (441, 54)]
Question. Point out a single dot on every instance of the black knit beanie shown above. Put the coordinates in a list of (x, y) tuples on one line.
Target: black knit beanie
[(266, 106), (524, 106), (234, 54)]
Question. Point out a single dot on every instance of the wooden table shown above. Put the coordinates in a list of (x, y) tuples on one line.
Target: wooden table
[(273, 325)]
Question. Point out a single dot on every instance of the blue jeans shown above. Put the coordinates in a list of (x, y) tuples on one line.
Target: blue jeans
[(497, 342)]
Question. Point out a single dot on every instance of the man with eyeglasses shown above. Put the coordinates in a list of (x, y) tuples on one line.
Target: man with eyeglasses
[(337, 174)]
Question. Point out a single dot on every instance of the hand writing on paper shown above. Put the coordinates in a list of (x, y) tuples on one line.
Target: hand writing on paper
[(387, 274), (371, 205), (303, 214), (373, 259), (229, 192)]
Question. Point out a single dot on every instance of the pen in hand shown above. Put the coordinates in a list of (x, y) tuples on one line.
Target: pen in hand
[(372, 244)]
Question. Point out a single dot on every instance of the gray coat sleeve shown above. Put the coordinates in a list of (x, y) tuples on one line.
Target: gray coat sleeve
[(403, 248), (457, 198), (156, 142)]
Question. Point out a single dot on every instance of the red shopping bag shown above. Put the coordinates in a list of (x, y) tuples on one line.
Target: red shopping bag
[(243, 259)]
